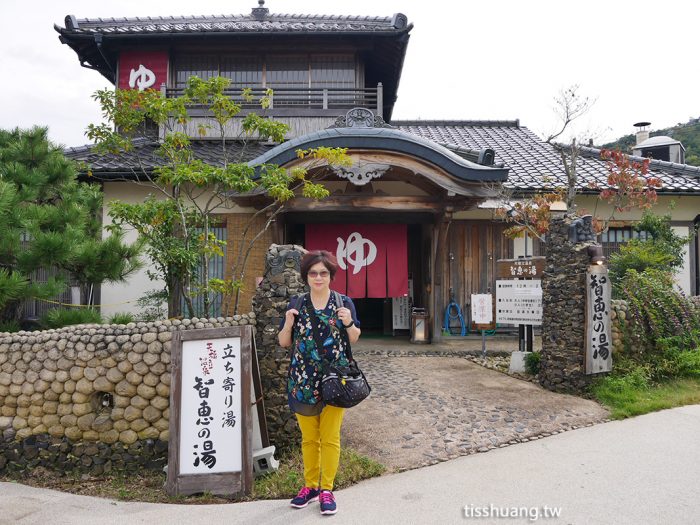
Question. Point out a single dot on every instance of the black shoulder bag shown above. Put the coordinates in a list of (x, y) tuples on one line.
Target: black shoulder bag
[(341, 386)]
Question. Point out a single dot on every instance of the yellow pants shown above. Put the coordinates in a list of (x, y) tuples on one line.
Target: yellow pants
[(320, 446)]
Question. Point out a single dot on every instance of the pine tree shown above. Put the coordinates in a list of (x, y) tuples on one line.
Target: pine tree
[(48, 221)]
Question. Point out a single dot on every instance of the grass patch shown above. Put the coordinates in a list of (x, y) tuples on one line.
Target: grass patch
[(286, 482), (147, 485), (629, 396)]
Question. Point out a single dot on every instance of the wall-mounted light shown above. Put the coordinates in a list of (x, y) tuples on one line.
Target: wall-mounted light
[(595, 253)]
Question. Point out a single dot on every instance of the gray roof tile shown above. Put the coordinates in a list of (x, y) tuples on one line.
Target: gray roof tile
[(530, 159), (144, 156), (272, 23)]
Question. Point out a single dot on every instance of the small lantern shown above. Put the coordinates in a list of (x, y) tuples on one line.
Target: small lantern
[(419, 326), (596, 254)]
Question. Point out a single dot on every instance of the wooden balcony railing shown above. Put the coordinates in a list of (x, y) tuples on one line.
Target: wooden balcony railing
[(306, 98)]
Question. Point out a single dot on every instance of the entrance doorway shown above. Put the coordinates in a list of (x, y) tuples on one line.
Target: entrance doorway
[(376, 314)]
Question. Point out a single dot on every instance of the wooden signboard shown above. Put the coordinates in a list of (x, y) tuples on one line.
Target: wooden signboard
[(210, 446), (598, 340), (523, 268)]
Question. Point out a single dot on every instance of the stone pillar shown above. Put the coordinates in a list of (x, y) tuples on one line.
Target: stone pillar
[(280, 282), (562, 363)]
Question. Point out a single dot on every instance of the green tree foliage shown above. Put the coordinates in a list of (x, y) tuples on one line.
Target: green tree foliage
[(48, 220), (661, 250), (177, 218)]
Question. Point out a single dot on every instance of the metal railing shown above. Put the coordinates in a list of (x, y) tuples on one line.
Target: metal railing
[(311, 98)]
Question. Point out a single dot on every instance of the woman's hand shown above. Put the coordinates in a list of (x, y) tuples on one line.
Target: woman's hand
[(289, 318), (345, 316), (284, 337)]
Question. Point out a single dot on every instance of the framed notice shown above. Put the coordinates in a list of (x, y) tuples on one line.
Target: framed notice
[(598, 340), (482, 309), (401, 310), (210, 412), (519, 301)]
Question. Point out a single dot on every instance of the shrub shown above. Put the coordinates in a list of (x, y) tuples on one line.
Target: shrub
[(657, 309), (661, 250), (532, 363), (121, 318), (9, 326), (151, 305), (60, 317)]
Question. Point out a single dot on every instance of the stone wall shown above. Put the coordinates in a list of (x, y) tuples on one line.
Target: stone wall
[(269, 305), (562, 364), (89, 397)]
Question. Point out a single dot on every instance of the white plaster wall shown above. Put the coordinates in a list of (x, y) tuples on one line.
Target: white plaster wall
[(683, 276), (685, 207), (121, 297), (519, 246)]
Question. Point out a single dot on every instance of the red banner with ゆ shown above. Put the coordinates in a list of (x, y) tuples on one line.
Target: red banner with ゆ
[(372, 258), (143, 69)]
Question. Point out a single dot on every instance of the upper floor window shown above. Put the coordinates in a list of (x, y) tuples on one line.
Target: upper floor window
[(615, 237), (300, 71)]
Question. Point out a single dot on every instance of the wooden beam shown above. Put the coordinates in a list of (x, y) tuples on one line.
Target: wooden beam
[(344, 203)]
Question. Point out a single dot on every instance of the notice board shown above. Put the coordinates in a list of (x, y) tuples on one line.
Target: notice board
[(211, 426)]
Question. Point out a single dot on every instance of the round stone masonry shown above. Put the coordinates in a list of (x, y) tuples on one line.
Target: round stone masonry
[(98, 394)]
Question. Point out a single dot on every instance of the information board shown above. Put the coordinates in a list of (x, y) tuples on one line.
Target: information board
[(519, 301), (210, 446), (401, 310)]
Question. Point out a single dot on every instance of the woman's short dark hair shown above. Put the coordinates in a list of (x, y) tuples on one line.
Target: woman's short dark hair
[(315, 257)]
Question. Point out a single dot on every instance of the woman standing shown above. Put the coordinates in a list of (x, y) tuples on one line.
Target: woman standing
[(319, 423)]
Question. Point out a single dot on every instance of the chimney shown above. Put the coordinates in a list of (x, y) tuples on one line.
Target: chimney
[(642, 132)]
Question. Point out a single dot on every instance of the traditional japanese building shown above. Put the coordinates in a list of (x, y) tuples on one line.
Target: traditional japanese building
[(415, 201)]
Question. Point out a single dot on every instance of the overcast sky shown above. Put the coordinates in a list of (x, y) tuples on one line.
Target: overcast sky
[(497, 59)]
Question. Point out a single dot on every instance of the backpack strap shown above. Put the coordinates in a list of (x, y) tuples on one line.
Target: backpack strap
[(343, 333)]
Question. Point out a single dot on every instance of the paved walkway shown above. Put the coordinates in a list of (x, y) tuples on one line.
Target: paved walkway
[(427, 409), (639, 471)]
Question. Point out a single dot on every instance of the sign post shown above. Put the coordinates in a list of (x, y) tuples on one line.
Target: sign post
[(522, 268), (210, 446), (598, 339), (482, 314)]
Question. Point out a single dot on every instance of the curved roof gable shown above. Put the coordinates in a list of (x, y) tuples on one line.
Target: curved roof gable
[(390, 140)]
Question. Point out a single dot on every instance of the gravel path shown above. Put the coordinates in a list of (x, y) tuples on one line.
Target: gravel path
[(427, 409)]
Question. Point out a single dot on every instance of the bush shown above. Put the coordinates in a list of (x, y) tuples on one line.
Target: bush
[(658, 311), (532, 362), (121, 318), (60, 317), (9, 326), (151, 305), (661, 250)]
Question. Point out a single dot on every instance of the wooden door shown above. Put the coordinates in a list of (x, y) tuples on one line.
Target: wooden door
[(473, 248)]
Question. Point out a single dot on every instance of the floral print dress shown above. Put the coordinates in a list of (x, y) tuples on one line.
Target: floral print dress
[(307, 361)]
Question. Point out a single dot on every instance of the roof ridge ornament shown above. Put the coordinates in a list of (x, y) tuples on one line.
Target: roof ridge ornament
[(360, 118), (261, 12)]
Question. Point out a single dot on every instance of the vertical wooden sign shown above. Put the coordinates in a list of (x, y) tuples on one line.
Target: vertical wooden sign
[(210, 446), (598, 336)]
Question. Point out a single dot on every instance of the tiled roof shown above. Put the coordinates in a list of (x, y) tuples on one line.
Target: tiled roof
[(530, 159), (269, 23), (144, 157)]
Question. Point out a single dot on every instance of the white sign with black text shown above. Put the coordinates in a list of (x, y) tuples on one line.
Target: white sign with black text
[(210, 406), (519, 301), (401, 310)]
